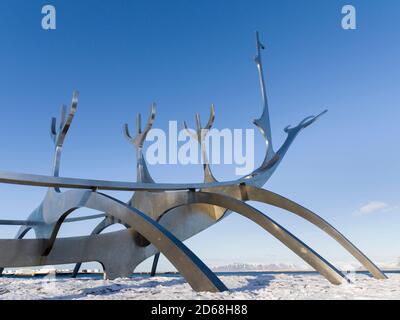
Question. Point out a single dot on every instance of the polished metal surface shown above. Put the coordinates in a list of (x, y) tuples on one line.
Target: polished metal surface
[(160, 216), (189, 265), (200, 136), (58, 136), (108, 221), (268, 197), (32, 223)]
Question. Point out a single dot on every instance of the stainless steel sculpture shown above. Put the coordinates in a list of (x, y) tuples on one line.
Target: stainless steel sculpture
[(159, 217)]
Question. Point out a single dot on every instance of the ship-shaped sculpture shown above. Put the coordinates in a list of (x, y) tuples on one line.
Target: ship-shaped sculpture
[(159, 216)]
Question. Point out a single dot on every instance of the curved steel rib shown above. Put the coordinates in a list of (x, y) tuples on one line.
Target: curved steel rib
[(321, 265), (197, 274), (268, 197)]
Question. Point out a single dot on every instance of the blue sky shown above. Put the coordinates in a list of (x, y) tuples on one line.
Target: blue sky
[(185, 55)]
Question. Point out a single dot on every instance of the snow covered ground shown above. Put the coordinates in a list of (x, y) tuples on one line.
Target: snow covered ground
[(258, 286)]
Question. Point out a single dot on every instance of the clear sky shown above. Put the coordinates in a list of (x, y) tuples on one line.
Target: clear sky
[(185, 55)]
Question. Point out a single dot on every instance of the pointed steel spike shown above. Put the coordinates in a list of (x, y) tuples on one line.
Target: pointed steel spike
[(259, 44), (287, 128), (140, 137), (311, 120), (75, 95), (74, 104), (65, 121), (153, 110), (306, 119), (321, 114), (263, 122), (63, 116)]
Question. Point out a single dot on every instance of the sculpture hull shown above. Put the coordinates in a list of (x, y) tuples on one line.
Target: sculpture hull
[(159, 217)]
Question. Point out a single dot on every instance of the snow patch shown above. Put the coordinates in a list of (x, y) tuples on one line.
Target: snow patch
[(249, 287)]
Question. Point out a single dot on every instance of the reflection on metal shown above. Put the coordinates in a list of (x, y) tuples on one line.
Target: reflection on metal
[(104, 224), (158, 220), (154, 265)]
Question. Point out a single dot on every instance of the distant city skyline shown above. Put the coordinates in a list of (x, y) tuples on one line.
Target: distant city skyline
[(124, 55)]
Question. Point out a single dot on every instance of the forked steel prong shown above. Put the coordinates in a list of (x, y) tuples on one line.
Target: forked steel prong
[(150, 120), (189, 131), (140, 137), (139, 124), (58, 135)]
